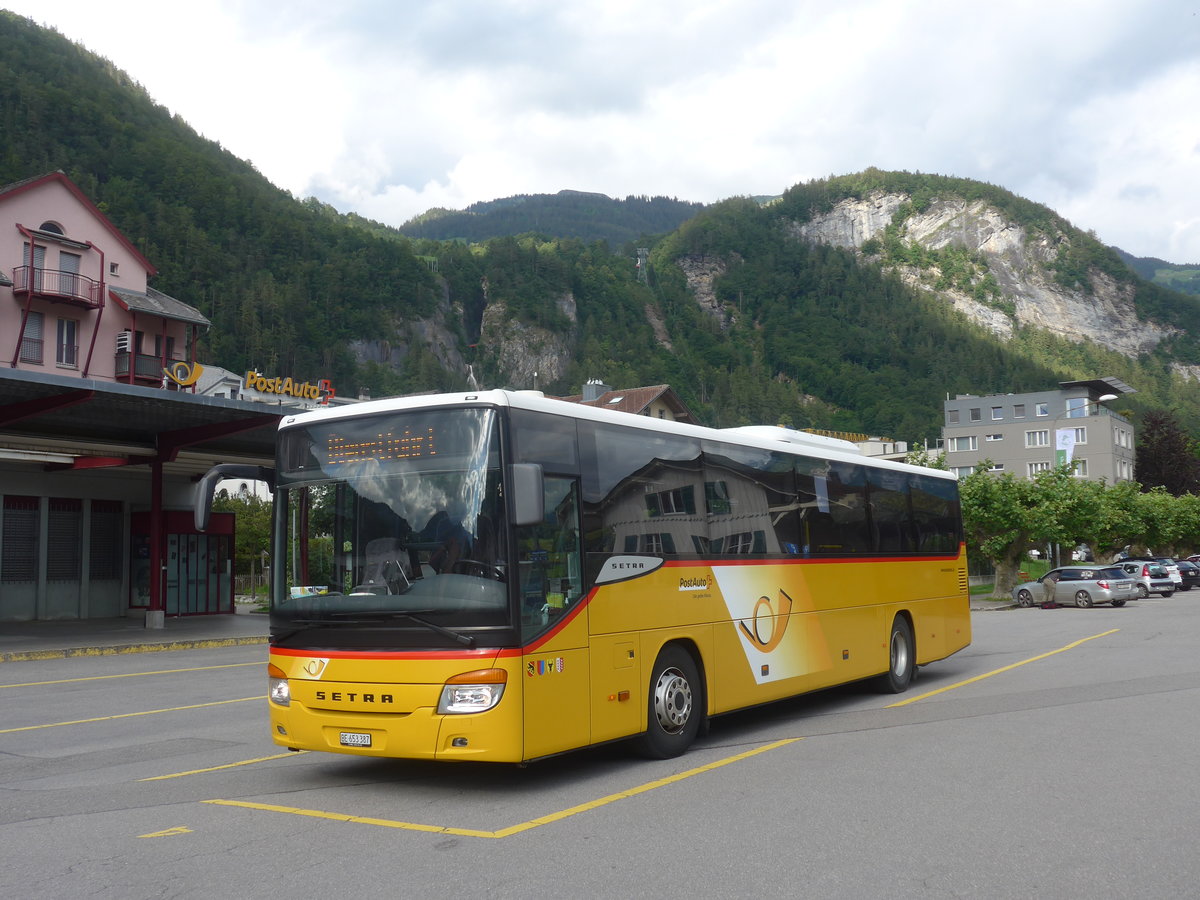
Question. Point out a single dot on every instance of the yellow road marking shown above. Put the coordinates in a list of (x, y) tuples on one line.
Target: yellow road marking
[(1015, 665), (513, 829), (146, 712), (178, 829), (129, 675), (245, 762)]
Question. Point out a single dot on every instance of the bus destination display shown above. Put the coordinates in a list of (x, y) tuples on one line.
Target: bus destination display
[(386, 447)]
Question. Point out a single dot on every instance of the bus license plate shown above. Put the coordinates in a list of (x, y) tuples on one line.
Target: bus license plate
[(354, 739)]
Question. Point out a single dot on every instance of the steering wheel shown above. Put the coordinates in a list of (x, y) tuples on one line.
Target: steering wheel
[(393, 574), (480, 569)]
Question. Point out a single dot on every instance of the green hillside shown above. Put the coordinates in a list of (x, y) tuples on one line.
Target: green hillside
[(801, 335), (1176, 276), (285, 284)]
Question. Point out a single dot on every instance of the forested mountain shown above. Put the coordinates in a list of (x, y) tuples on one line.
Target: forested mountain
[(287, 285), (853, 303), (567, 214)]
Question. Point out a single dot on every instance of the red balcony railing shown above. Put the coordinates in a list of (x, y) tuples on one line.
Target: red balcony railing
[(145, 367), (58, 285)]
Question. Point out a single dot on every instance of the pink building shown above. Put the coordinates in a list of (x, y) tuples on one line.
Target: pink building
[(102, 435), (79, 301)]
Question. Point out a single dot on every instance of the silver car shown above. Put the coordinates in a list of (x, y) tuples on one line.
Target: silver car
[(1082, 586), (1149, 577)]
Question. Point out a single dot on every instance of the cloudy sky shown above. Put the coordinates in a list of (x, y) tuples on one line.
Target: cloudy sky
[(390, 107)]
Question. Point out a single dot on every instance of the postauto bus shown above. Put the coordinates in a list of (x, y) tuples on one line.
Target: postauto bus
[(502, 576)]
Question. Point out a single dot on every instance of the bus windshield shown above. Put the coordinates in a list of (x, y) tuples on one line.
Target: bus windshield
[(391, 525)]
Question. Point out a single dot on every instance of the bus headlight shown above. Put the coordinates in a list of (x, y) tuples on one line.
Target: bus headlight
[(472, 692), (277, 686)]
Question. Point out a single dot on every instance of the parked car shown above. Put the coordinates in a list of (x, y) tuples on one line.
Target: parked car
[(1082, 586), (1166, 562), (1190, 573), (1149, 577)]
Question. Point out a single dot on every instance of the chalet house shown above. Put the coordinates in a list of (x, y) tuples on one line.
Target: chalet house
[(658, 401)]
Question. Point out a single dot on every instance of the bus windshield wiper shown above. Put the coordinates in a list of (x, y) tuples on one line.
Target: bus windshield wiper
[(373, 618), (463, 639)]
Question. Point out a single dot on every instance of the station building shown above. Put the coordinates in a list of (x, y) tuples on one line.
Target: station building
[(103, 432)]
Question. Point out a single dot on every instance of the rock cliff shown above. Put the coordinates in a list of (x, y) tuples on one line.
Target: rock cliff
[(1025, 292), (527, 355)]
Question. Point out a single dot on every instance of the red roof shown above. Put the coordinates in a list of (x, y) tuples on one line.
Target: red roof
[(637, 401)]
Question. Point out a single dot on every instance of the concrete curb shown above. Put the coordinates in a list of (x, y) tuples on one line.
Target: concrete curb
[(121, 649)]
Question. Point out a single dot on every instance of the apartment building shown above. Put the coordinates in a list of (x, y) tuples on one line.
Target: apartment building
[(1029, 433)]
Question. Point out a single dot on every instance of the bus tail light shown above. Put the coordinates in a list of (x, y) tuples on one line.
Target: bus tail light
[(277, 686), (472, 692)]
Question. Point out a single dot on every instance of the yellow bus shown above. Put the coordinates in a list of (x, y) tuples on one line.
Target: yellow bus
[(500, 576)]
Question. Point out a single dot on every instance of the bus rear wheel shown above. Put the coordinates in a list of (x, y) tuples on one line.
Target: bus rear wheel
[(675, 703), (901, 659)]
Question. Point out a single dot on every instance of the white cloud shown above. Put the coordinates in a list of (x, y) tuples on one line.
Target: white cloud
[(388, 109)]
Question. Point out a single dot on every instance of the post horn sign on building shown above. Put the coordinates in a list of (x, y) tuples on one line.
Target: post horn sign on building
[(184, 374)]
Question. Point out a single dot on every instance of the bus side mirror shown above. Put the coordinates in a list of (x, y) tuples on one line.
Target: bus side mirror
[(527, 493), (207, 486)]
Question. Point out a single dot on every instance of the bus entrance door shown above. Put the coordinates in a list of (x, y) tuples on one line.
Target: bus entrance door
[(554, 626)]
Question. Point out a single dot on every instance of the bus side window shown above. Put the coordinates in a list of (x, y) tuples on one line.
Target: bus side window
[(548, 558)]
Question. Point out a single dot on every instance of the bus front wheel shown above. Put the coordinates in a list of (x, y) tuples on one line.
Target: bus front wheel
[(901, 659), (675, 705)]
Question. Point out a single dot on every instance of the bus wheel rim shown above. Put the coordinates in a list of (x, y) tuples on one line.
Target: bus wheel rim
[(672, 701), (899, 654)]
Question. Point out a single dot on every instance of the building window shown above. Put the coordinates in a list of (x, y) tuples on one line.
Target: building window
[(31, 340), (993, 437), (716, 498), (1077, 407), (672, 503), (1080, 435), (67, 353), (996, 467), (1079, 468), (961, 471), (969, 442), (170, 345), (952, 417), (1041, 409), (1018, 410), (68, 274), (114, 268), (976, 415), (997, 413), (1035, 467), (1037, 438)]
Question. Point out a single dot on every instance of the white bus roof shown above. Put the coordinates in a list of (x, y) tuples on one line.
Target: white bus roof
[(760, 436)]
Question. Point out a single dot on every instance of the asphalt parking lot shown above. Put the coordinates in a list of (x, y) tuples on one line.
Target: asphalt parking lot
[(1051, 758)]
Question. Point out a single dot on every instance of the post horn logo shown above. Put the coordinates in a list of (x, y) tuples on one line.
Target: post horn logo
[(314, 667), (771, 620), (184, 374)]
